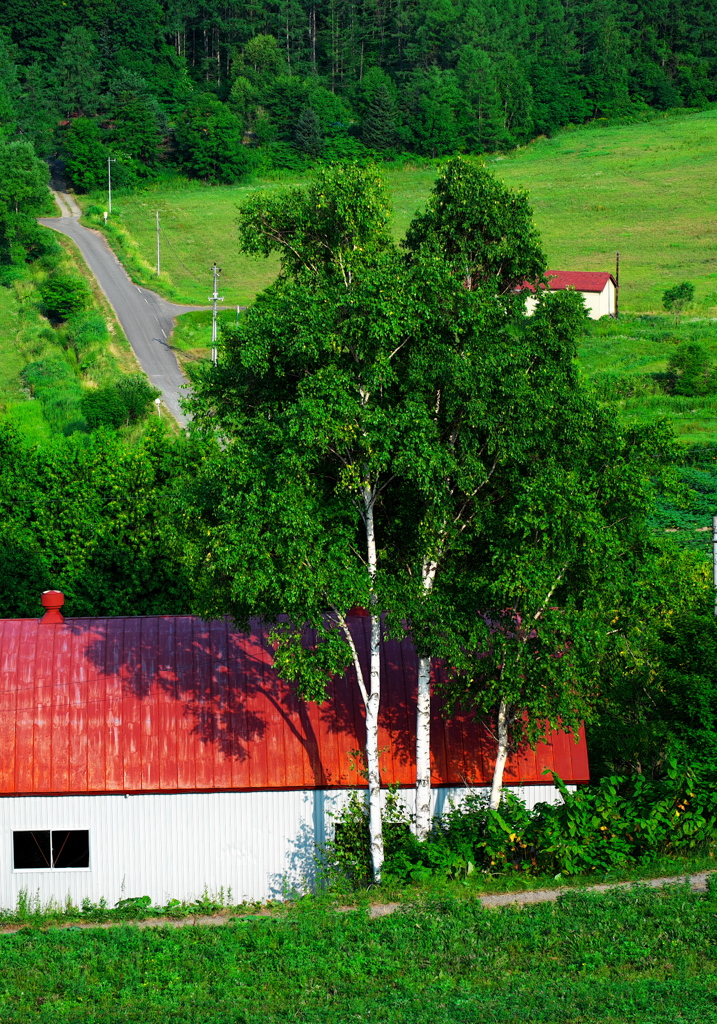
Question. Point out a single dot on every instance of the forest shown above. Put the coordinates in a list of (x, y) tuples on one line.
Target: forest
[(217, 90)]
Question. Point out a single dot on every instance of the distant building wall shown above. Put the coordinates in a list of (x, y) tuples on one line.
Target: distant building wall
[(176, 846), (597, 304)]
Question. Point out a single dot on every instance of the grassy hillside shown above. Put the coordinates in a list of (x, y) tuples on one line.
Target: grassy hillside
[(647, 190), (46, 366)]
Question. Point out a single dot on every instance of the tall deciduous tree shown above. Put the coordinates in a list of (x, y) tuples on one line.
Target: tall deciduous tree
[(209, 141), (23, 178), (379, 422)]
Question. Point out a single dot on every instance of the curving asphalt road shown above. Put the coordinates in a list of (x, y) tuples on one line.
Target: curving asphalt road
[(146, 318)]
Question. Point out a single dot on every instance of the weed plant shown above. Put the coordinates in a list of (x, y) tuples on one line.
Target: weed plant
[(617, 824)]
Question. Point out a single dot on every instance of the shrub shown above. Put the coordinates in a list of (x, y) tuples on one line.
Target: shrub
[(55, 385), (691, 373), (620, 822), (675, 299), (119, 404), (64, 294), (610, 387), (85, 330)]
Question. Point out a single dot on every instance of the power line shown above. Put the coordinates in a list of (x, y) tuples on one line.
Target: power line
[(179, 258)]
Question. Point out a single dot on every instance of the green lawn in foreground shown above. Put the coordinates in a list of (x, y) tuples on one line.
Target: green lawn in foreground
[(648, 190), (640, 956)]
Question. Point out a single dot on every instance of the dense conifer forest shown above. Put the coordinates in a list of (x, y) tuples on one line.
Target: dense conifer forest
[(217, 89)]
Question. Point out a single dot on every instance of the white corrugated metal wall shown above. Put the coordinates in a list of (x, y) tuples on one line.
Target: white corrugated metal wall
[(253, 846)]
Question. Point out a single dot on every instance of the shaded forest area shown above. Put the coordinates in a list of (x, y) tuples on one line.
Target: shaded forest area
[(217, 89)]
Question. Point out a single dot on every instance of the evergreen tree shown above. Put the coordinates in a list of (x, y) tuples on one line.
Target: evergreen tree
[(378, 130), (307, 135), (78, 74)]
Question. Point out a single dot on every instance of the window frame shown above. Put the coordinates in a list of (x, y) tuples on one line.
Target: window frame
[(51, 868)]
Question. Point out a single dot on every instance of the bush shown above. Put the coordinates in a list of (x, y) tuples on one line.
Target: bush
[(85, 330), (55, 385), (691, 373), (119, 404), (64, 294), (616, 824)]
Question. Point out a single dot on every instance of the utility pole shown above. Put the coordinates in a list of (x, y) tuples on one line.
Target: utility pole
[(110, 161), (714, 558), (159, 266), (617, 285), (214, 298)]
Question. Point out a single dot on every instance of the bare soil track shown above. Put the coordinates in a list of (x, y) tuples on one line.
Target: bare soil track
[(697, 882)]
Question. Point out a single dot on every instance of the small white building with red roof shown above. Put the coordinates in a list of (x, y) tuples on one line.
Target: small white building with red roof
[(162, 755), (598, 289)]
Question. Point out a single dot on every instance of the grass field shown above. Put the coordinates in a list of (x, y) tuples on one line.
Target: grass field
[(639, 956), (648, 190)]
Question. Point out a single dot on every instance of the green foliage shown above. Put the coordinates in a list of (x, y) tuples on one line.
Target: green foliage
[(660, 692), (691, 372), (347, 856), (484, 230), (78, 73), (55, 385), (618, 823), (86, 154), (209, 141), (608, 386), (88, 515), (378, 127), (64, 294), (436, 80), (118, 404), (676, 298), (325, 227), (308, 133), (23, 179)]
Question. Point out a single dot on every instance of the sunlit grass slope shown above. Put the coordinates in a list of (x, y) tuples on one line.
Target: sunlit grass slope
[(648, 190)]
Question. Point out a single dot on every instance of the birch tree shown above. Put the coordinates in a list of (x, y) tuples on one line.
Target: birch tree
[(381, 424), (556, 566)]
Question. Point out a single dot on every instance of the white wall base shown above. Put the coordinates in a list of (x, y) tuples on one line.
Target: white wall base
[(252, 846)]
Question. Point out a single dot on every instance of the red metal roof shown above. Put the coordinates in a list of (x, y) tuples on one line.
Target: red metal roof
[(580, 280), (171, 704)]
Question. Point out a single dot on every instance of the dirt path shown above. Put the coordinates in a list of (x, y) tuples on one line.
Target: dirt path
[(697, 882)]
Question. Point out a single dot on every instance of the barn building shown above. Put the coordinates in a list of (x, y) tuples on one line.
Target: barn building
[(163, 756), (599, 290)]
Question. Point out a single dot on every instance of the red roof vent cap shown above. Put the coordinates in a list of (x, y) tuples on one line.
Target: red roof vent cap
[(52, 601)]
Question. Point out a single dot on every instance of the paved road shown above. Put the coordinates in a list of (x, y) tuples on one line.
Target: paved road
[(146, 319)]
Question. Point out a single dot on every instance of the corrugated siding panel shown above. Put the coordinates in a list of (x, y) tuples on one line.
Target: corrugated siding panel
[(179, 845), (161, 704)]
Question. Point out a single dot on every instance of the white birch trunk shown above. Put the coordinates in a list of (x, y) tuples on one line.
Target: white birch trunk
[(373, 702), (496, 790), (423, 750), (423, 726)]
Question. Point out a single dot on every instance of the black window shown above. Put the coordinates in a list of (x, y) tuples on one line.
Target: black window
[(31, 849), (67, 848)]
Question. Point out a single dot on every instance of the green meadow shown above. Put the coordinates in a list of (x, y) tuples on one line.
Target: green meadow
[(648, 190)]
